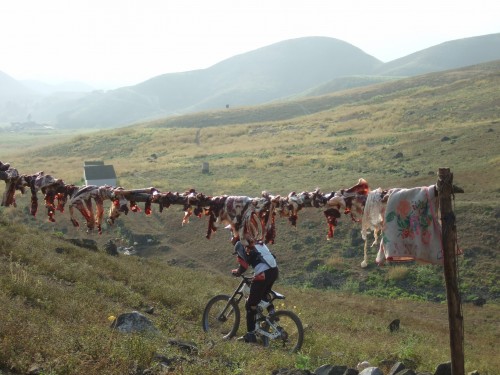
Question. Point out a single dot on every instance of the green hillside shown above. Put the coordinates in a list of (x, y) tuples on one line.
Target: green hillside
[(56, 299), (394, 134)]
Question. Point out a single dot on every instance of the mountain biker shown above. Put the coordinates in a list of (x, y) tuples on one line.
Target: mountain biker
[(263, 262)]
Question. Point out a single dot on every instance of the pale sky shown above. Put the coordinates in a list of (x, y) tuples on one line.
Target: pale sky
[(113, 43)]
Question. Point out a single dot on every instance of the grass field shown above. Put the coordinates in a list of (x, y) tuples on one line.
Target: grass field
[(397, 134), (56, 299)]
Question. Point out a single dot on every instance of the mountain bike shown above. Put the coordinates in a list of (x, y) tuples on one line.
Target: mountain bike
[(277, 329)]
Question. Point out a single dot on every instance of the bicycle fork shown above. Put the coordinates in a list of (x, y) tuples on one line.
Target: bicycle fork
[(228, 309)]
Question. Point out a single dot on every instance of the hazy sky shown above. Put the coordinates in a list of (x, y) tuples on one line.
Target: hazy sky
[(111, 43)]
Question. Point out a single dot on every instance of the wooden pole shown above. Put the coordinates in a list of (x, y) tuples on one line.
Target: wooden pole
[(455, 316)]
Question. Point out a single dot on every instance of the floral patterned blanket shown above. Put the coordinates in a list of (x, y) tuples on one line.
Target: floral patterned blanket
[(411, 231)]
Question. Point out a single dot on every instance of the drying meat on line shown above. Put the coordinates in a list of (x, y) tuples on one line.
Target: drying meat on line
[(254, 216), (52, 188), (245, 215), (13, 182), (350, 201), (121, 198), (82, 201)]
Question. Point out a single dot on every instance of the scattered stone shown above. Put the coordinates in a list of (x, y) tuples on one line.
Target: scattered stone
[(394, 326), (35, 370), (362, 365), (286, 371), (371, 371), (387, 363), (406, 371), (443, 369), (111, 248), (133, 322), (396, 368), (330, 370), (61, 250), (186, 346), (163, 360), (399, 155), (86, 243)]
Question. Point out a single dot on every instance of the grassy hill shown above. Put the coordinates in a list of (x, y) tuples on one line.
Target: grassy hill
[(56, 299), (445, 56), (393, 134)]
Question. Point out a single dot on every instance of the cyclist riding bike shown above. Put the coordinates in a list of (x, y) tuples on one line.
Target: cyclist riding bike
[(263, 262)]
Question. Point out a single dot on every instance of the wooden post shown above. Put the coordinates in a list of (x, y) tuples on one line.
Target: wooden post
[(455, 316)]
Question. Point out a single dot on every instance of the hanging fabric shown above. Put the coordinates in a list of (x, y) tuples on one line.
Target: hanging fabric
[(411, 230)]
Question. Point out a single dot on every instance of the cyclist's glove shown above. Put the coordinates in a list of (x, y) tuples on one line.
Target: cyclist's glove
[(236, 272)]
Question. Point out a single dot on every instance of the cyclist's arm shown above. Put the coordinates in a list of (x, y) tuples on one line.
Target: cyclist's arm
[(242, 258)]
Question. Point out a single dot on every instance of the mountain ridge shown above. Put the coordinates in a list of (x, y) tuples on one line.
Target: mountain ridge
[(282, 70)]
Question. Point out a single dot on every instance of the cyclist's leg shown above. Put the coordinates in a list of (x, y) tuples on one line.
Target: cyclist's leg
[(271, 277), (257, 290)]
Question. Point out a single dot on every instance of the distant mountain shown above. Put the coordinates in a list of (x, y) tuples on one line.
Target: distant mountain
[(256, 77), (16, 100), (47, 89), (293, 68), (445, 56), (10, 88)]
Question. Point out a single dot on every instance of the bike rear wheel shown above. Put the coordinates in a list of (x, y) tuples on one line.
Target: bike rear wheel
[(221, 316), (289, 329)]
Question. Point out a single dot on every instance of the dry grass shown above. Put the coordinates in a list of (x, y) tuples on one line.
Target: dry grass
[(54, 306)]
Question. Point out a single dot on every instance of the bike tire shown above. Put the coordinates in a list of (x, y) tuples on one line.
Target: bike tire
[(226, 325), (292, 336)]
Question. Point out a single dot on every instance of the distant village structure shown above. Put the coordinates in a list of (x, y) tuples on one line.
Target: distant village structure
[(29, 126), (97, 173)]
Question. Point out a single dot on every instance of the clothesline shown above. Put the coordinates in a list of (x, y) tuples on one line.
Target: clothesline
[(405, 219), (246, 215)]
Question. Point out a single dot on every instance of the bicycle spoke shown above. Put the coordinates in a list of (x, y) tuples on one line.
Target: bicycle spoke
[(290, 332), (221, 318)]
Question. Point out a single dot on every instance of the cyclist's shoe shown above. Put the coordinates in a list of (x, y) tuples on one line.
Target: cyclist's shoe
[(248, 337)]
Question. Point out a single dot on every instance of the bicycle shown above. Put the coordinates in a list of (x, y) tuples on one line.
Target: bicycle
[(278, 329)]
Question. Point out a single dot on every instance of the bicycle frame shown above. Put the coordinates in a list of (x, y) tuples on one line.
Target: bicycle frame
[(236, 297), (239, 294)]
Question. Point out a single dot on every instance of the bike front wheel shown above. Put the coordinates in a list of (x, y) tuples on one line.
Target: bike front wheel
[(221, 316), (287, 332)]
